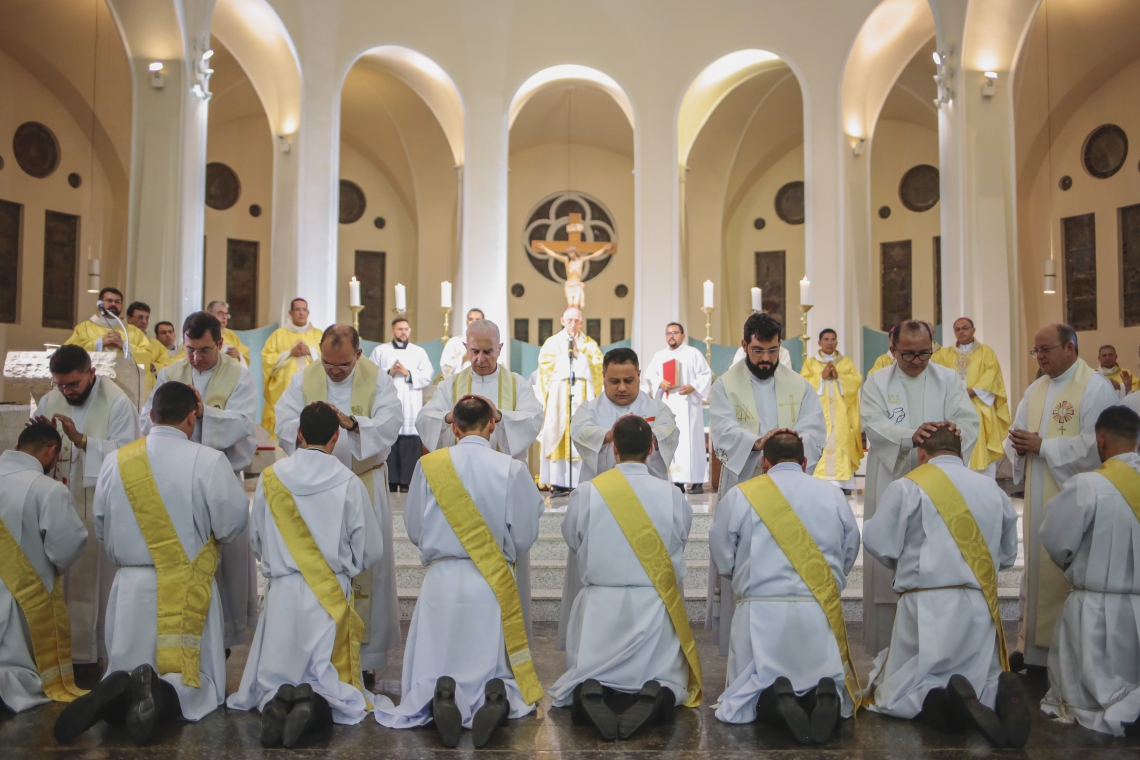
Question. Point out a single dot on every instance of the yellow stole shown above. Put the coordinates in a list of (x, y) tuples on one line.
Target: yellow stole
[(507, 397), (1124, 479), (808, 561), (1064, 421), (320, 577), (227, 372), (480, 544), (646, 543), (48, 621), (184, 587), (968, 536), (789, 395)]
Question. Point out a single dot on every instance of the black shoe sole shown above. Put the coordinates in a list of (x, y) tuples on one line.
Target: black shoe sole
[(825, 716), (86, 711), (274, 714), (964, 700), (448, 720), (302, 716), (492, 714), (1013, 710), (790, 712), (640, 712), (599, 713), (143, 714)]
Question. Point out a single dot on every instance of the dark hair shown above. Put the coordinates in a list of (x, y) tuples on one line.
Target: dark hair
[(293, 303), (827, 330), (910, 326), (678, 325), (633, 438), (160, 324), (764, 327), (137, 306), (481, 313), (199, 323), (319, 423), (37, 437), (398, 320), (68, 359), (109, 290), (784, 447), (959, 319), (172, 403), (1106, 345), (1066, 334), (620, 356), (338, 334), (942, 439), (1119, 422), (471, 413)]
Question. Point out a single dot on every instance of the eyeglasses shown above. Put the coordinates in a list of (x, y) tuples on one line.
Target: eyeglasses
[(346, 365), (674, 332), (65, 387), (1043, 350), (910, 356), (191, 352), (773, 352)]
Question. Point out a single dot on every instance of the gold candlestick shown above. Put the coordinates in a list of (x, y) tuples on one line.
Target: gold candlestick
[(356, 316), (446, 322), (708, 310), (806, 308)]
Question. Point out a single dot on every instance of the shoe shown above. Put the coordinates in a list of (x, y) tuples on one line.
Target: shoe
[(556, 491), (937, 714), (310, 711), (681, 486), (653, 702), (448, 721), (492, 714), (825, 714), (595, 707), (109, 699), (963, 700), (1016, 662), (274, 715), (153, 701), (777, 706), (697, 488), (1013, 710), (369, 680)]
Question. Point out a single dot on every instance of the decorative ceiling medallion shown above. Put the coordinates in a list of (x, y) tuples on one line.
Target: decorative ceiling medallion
[(790, 203), (1105, 151), (919, 189), (223, 188), (352, 202)]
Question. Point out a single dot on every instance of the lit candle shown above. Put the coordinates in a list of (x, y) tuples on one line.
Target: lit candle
[(757, 300), (805, 292), (445, 295), (401, 298), (354, 292), (708, 294)]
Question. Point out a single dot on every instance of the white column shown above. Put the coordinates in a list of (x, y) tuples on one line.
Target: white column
[(286, 226), (856, 230)]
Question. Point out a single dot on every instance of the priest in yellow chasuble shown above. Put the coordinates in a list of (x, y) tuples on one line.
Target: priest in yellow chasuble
[(978, 369), (1123, 381), (235, 349), (289, 349), (100, 333), (837, 382)]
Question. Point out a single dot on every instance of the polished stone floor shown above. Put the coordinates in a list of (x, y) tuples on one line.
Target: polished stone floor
[(696, 733)]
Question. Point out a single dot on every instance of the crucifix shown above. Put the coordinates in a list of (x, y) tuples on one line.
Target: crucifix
[(573, 253)]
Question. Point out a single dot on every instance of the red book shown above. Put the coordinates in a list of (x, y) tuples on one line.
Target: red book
[(669, 373)]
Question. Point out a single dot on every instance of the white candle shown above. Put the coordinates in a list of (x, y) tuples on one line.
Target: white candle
[(757, 300), (401, 298), (805, 292), (708, 294), (354, 292), (445, 295)]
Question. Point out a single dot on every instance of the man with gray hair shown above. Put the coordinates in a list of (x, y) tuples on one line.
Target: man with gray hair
[(235, 349)]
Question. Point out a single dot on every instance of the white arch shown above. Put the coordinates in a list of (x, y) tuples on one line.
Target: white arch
[(569, 72)]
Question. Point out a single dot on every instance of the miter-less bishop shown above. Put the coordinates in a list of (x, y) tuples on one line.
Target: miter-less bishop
[(454, 356), (1051, 440), (162, 505), (978, 369), (234, 348), (900, 407), (370, 417), (40, 537), (567, 352), (288, 351), (229, 406), (472, 511), (410, 369), (751, 400), (314, 530), (630, 653), (1123, 381), (680, 376), (102, 333), (837, 382), (1090, 531), (789, 663), (95, 418)]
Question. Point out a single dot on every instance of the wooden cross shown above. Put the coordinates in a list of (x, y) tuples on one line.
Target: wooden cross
[(795, 405), (574, 229)]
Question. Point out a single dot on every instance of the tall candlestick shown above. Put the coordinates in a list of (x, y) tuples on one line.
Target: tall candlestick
[(757, 300), (445, 295), (353, 292), (401, 298), (805, 292), (708, 294)]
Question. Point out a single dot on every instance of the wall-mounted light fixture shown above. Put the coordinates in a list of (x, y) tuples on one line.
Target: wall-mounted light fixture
[(157, 78), (859, 147), (944, 78), (202, 72), (988, 84), (284, 144)]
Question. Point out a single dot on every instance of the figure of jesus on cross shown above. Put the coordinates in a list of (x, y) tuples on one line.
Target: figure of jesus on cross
[(573, 253)]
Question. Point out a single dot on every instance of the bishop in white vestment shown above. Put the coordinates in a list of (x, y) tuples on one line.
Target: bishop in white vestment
[(685, 395), (410, 369)]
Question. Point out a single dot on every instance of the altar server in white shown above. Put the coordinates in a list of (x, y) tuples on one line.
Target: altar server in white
[(370, 415), (40, 537), (95, 418), (229, 408), (162, 505), (1051, 440), (454, 357), (471, 511), (410, 369), (684, 394), (786, 650), (1091, 531), (314, 530), (901, 405), (628, 631), (945, 531)]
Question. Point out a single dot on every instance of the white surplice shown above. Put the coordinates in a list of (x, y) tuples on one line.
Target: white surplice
[(409, 387), (457, 627), (594, 419), (374, 438), (894, 405), (202, 497), (294, 640), (619, 631), (779, 628), (87, 583), (1092, 533), (938, 631), (40, 514), (690, 462), (229, 431), (454, 356)]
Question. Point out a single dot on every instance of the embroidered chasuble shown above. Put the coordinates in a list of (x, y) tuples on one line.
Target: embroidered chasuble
[(843, 450), (978, 369)]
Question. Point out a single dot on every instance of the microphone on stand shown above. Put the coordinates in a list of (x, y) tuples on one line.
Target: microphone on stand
[(570, 409), (108, 314)]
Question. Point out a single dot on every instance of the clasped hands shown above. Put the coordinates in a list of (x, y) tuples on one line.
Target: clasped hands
[(683, 390), (300, 348), (1024, 442)]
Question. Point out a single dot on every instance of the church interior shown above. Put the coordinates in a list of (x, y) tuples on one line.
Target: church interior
[(860, 162)]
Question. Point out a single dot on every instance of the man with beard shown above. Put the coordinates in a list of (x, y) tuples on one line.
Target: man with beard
[(410, 369), (95, 418), (102, 334), (680, 376)]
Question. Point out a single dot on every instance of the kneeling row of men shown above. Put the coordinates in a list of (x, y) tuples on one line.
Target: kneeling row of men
[(163, 503)]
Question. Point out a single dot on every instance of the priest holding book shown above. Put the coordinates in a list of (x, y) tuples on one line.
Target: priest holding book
[(680, 376)]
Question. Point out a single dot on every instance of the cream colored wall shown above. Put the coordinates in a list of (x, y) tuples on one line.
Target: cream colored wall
[(540, 171), (246, 146), (897, 147)]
